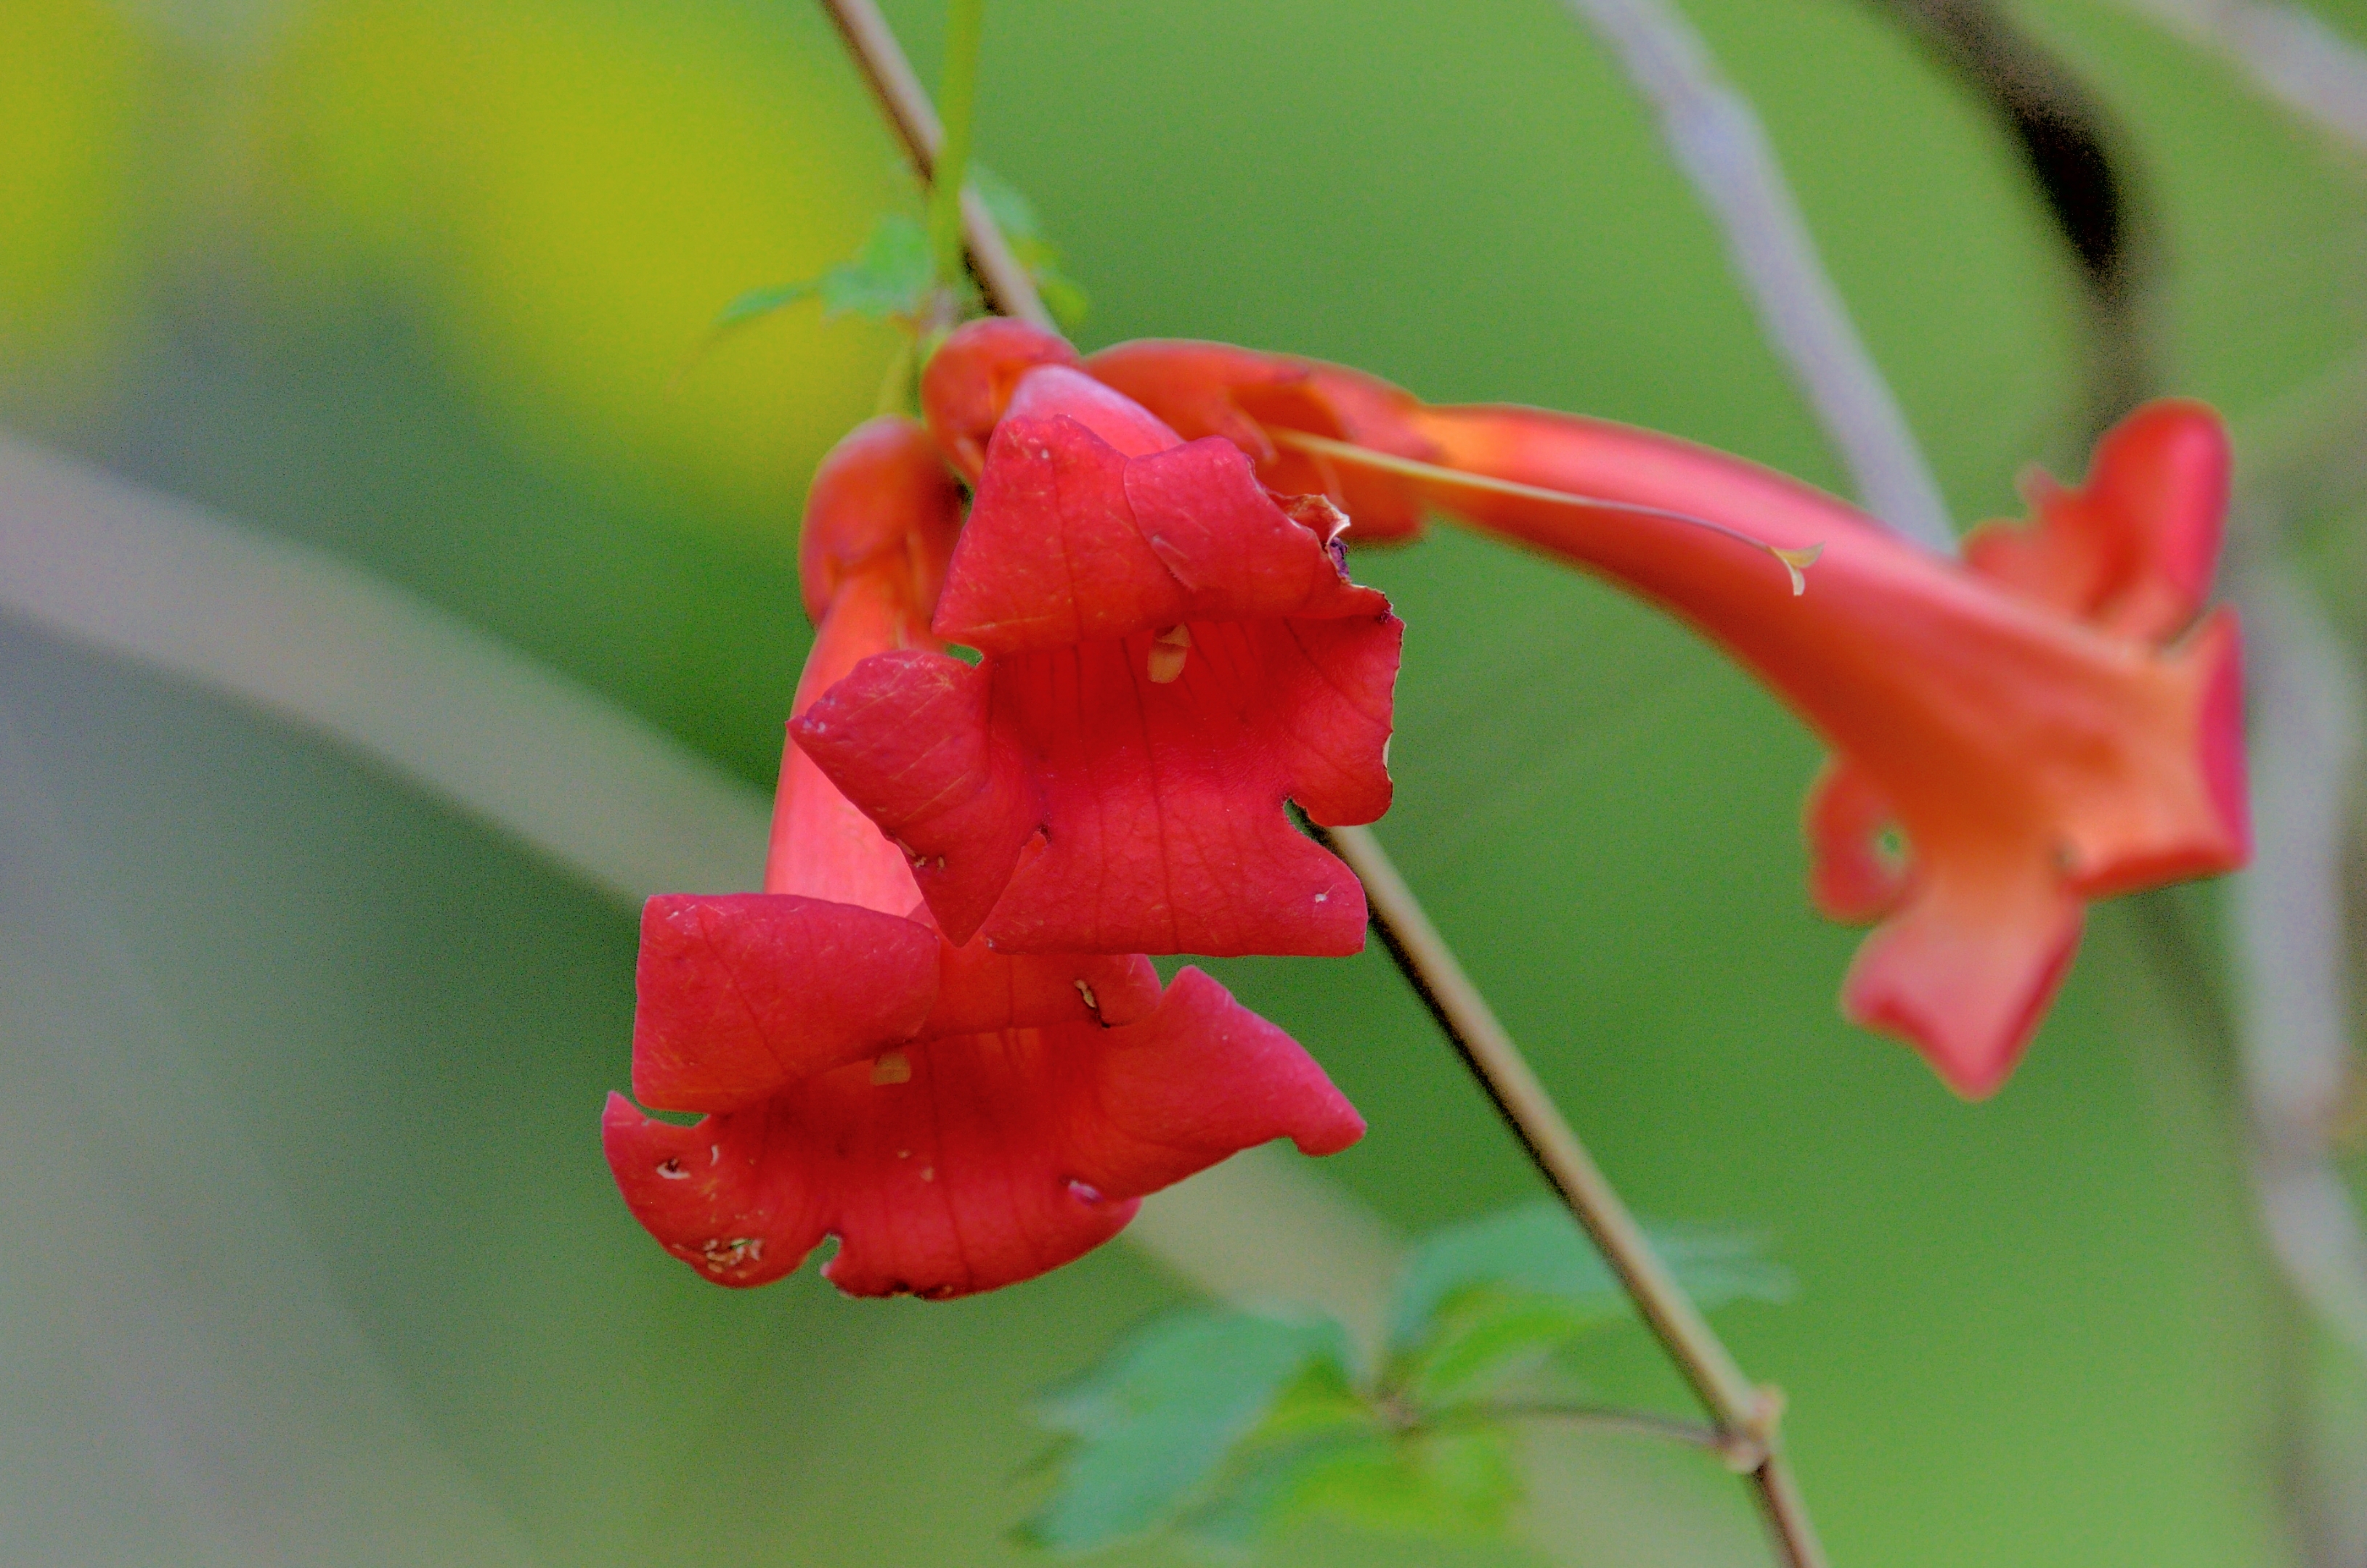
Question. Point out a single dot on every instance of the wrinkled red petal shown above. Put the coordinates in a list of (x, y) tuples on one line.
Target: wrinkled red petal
[(1158, 780), (742, 993), (1163, 801), (980, 990), (1052, 554), (908, 737), (2133, 550), (708, 1195), (976, 1161), (1235, 552)]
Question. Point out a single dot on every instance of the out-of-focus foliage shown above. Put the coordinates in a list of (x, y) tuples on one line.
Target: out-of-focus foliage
[(886, 279), (1229, 1426), (889, 280)]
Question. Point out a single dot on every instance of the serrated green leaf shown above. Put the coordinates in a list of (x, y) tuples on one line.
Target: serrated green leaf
[(1484, 1335), (1267, 1487), (890, 277), (1537, 1250), (1155, 1421), (1459, 1483)]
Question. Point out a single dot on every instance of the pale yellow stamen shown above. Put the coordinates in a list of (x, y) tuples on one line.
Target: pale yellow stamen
[(1167, 651), (1796, 561), (894, 1066)]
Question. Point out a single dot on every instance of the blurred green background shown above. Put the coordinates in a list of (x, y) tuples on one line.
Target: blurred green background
[(309, 1252)]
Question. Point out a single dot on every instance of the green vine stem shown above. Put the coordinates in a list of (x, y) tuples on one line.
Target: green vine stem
[(1746, 1415), (958, 105), (904, 104)]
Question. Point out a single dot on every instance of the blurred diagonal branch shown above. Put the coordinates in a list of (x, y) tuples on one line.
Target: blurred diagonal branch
[(2299, 1070), (260, 1424), (299, 634), (1747, 1417), (1722, 148), (2288, 51), (904, 104), (2070, 152)]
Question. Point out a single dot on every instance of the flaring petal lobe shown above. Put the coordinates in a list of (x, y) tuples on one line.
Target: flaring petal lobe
[(910, 738), (2038, 746), (2132, 551), (983, 1159), (742, 993)]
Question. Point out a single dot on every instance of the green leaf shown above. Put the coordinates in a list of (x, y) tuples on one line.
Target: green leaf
[(1486, 1334), (1478, 1300), (758, 302), (1149, 1427), (1447, 1483), (888, 277), (1452, 1483)]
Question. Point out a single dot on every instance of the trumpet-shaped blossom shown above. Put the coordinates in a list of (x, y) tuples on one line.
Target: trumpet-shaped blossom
[(2043, 724), (961, 1118), (1169, 654)]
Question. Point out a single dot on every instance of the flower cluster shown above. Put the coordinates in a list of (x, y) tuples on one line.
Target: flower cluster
[(936, 1033), (962, 1115)]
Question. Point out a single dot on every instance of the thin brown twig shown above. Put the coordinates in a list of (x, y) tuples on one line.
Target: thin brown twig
[(905, 104), (1630, 1423), (1746, 1415)]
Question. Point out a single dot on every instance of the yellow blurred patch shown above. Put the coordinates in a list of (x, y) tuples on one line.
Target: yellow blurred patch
[(71, 79), (573, 190)]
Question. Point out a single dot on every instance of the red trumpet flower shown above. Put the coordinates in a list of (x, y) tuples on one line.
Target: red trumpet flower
[(2032, 724), (1169, 654), (961, 1118)]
